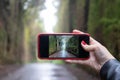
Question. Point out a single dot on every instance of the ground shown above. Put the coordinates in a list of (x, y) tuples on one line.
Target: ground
[(45, 71)]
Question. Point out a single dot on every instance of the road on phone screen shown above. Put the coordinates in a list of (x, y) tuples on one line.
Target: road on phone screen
[(62, 53)]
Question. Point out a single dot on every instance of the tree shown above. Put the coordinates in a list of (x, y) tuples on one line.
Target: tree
[(12, 30), (104, 24), (73, 14), (15, 16), (86, 14)]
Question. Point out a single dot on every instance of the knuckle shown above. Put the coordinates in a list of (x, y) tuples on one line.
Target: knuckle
[(96, 47)]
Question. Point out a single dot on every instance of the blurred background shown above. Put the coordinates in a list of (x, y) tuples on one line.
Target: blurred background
[(22, 20)]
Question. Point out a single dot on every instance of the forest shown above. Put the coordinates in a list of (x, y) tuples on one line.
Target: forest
[(73, 45), (22, 20)]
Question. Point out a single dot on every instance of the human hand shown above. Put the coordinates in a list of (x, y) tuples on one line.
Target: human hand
[(98, 54)]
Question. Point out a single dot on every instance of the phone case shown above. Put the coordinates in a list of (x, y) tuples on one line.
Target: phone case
[(68, 58)]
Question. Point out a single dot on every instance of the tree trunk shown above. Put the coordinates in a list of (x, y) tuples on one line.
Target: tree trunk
[(11, 17), (86, 14), (72, 13)]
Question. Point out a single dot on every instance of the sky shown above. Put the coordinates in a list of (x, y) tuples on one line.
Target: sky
[(48, 15)]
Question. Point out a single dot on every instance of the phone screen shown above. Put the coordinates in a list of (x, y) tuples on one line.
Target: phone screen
[(62, 46)]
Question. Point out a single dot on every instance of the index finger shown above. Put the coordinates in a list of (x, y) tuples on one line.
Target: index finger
[(77, 31)]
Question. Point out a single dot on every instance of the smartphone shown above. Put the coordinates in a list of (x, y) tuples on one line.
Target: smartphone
[(62, 46)]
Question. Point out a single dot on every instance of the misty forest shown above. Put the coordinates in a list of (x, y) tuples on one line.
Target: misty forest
[(22, 20)]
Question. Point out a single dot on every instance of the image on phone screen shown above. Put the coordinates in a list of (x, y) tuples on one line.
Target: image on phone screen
[(63, 46)]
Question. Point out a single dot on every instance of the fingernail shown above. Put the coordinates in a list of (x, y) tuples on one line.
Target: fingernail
[(83, 42)]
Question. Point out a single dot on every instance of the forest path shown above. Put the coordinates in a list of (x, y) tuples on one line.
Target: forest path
[(62, 53), (45, 71)]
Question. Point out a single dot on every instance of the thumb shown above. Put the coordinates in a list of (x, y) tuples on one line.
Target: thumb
[(87, 47)]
